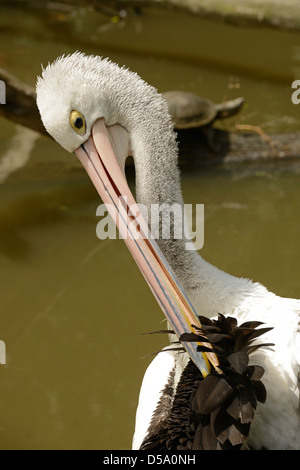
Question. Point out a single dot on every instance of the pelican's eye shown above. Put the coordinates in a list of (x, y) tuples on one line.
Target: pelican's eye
[(77, 122)]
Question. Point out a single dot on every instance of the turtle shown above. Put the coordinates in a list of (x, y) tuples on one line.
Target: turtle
[(189, 110)]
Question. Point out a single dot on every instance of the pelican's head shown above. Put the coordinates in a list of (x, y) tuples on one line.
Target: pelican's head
[(98, 110), (71, 96)]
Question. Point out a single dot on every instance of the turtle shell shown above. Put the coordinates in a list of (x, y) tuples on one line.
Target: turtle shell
[(189, 110)]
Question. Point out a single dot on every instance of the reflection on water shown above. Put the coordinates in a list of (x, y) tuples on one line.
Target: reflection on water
[(73, 307), (19, 151)]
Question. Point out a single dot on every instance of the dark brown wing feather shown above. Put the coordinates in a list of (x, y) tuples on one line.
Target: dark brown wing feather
[(214, 412)]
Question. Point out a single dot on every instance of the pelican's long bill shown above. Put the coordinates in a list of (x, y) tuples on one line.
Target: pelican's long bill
[(101, 163)]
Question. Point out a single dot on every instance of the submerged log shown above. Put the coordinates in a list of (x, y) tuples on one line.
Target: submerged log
[(237, 146), (20, 106)]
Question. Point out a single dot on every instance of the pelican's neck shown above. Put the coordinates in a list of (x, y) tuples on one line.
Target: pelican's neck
[(158, 188)]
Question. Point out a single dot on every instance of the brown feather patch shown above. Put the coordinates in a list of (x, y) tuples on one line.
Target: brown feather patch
[(214, 412)]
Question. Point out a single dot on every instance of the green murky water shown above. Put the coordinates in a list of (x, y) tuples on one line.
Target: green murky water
[(73, 307)]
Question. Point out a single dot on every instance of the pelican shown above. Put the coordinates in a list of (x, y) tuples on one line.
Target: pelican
[(104, 113)]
